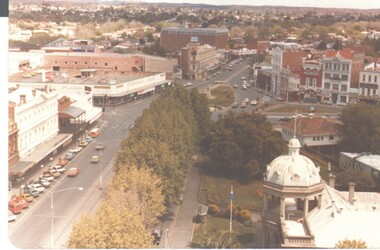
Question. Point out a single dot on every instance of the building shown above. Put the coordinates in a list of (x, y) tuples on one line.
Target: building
[(13, 156), (336, 78), (300, 210), (365, 162), (196, 60), (172, 39), (288, 60), (369, 85), (313, 131), (36, 116), (310, 89)]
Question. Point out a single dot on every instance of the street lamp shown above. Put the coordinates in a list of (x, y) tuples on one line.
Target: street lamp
[(231, 199), (166, 237), (52, 210)]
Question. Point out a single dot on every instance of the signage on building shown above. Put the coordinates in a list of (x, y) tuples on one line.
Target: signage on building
[(194, 39)]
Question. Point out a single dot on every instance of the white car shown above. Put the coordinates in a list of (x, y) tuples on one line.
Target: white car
[(11, 216), (254, 102), (48, 178), (45, 183), (37, 187), (58, 168), (75, 149)]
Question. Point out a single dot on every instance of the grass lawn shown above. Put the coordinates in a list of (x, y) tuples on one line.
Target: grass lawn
[(223, 96), (216, 190), (243, 234)]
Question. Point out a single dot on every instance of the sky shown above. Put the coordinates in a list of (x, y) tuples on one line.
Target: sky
[(355, 4)]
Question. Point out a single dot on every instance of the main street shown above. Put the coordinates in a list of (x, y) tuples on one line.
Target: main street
[(32, 228)]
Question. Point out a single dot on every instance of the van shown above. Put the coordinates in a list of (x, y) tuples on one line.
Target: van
[(94, 133)]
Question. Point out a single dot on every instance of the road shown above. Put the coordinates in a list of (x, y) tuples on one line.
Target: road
[(32, 228)]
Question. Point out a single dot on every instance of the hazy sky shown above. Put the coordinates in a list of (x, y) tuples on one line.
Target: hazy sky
[(356, 4)]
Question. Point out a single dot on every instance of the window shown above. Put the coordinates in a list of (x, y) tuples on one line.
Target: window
[(55, 62), (374, 91), (105, 64), (336, 86), (336, 77), (314, 82), (307, 81), (326, 65), (331, 137), (314, 138), (76, 62), (363, 79), (85, 63), (327, 85), (343, 87), (96, 63), (327, 75), (345, 77), (375, 78), (65, 62), (369, 78)]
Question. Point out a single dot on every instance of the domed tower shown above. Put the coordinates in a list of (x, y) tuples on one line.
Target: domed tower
[(292, 188)]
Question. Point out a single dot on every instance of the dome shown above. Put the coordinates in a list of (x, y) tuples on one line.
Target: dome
[(293, 169)]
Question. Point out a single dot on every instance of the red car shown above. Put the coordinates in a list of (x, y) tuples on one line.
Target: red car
[(73, 172)]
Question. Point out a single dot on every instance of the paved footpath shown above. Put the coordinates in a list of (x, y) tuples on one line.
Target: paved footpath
[(181, 231)]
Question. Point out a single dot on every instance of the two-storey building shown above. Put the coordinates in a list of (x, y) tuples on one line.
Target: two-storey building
[(369, 86)]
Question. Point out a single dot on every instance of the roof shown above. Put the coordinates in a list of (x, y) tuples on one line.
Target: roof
[(346, 54), (370, 160), (196, 30), (337, 219), (293, 169), (72, 112), (315, 125)]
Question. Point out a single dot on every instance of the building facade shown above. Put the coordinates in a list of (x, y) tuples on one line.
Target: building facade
[(310, 89), (13, 156), (336, 79), (196, 60), (369, 86), (172, 39), (36, 116)]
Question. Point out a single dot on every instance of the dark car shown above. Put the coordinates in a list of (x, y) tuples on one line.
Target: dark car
[(156, 233), (284, 119)]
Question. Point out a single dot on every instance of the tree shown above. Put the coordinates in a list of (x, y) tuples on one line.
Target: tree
[(217, 240), (140, 190), (363, 181), (352, 244), (242, 144), (361, 128), (111, 227)]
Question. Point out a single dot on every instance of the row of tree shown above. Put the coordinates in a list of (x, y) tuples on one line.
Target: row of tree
[(149, 170)]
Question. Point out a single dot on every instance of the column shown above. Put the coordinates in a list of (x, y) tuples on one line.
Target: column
[(282, 207), (306, 207), (265, 205)]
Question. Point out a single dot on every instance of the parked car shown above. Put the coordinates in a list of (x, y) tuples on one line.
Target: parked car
[(284, 119), (55, 173), (47, 176), (89, 139), (244, 87), (95, 159), (58, 168), (235, 86), (83, 144), (156, 233), (37, 187), (33, 192), (11, 216), (45, 183), (69, 156), (254, 102), (75, 150), (235, 105), (99, 146), (62, 162), (26, 196), (73, 172), (16, 206)]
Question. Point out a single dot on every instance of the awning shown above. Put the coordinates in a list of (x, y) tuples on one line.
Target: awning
[(21, 167), (72, 112)]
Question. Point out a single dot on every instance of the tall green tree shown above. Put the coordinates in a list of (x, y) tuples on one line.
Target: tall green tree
[(361, 128), (242, 144)]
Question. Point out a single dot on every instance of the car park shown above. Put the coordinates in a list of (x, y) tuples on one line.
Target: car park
[(95, 159), (73, 172), (26, 196), (75, 150), (99, 146), (37, 187), (69, 156)]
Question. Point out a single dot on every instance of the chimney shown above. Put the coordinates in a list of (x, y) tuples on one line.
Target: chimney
[(22, 99), (33, 92), (351, 190), (332, 180)]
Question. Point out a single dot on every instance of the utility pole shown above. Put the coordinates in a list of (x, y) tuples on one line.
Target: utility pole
[(231, 199)]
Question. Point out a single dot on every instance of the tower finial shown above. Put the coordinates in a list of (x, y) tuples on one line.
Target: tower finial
[(295, 124)]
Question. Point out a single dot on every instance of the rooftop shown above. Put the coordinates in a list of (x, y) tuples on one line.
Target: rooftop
[(314, 125), (368, 159)]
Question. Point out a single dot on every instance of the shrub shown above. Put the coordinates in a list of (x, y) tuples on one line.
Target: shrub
[(248, 223), (213, 209), (244, 215)]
